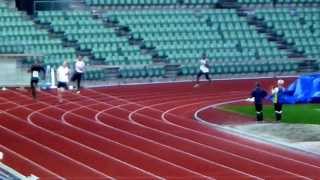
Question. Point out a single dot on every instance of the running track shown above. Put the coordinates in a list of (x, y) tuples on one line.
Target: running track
[(138, 132)]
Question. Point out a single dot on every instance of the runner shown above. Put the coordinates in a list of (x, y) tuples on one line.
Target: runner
[(35, 71), (204, 69), (63, 74)]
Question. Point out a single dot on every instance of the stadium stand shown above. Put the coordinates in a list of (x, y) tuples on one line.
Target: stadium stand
[(19, 34), (103, 42), (182, 35), (299, 26), (277, 2), (147, 2), (142, 41), (91, 34)]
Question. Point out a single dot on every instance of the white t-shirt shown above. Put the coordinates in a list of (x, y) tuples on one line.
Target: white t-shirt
[(63, 74), (203, 66), (80, 66), (35, 74), (274, 90)]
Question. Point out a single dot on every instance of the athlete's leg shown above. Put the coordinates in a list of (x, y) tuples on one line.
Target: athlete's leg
[(34, 83), (208, 77), (198, 78)]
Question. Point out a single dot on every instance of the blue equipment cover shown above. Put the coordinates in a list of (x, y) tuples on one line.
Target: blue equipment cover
[(305, 89)]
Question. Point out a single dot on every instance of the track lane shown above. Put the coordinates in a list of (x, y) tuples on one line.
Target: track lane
[(38, 152), (299, 157), (115, 151), (130, 107), (244, 164)]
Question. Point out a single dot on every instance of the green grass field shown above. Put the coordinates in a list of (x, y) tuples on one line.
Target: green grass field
[(301, 113)]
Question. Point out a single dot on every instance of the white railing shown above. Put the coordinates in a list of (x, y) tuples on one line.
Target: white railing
[(10, 173)]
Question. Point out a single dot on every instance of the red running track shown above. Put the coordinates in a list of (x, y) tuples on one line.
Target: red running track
[(139, 132)]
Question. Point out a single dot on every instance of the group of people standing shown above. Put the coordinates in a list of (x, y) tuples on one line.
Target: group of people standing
[(259, 94), (63, 76)]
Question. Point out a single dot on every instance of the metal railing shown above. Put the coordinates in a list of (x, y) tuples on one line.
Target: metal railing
[(39, 5)]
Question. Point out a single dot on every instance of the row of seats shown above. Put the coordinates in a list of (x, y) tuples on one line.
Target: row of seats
[(256, 2), (147, 2), (92, 35), (95, 74), (198, 36), (244, 68), (142, 71), (299, 27), (19, 34)]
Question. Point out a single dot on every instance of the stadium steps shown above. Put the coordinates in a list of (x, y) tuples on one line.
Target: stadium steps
[(308, 66), (66, 42), (281, 42), (125, 31), (137, 40), (227, 4), (170, 71)]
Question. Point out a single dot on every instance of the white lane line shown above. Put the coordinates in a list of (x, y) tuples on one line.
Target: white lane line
[(29, 118), (44, 147), (249, 136), (220, 150), (213, 148), (188, 170), (56, 152), (272, 167), (192, 155), (131, 148), (227, 140)]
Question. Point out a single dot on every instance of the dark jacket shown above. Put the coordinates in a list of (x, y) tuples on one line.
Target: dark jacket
[(258, 95)]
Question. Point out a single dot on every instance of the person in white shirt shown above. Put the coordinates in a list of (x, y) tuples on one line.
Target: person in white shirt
[(63, 73), (277, 93), (78, 73), (204, 69)]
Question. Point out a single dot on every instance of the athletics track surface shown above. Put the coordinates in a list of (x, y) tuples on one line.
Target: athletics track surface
[(139, 132)]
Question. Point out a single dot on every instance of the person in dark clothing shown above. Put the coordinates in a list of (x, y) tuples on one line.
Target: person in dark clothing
[(277, 92), (259, 94), (78, 73), (35, 71)]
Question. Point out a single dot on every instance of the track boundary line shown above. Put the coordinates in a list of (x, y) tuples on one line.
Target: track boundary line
[(85, 146), (260, 163), (134, 103), (133, 149), (46, 147), (29, 119), (41, 145), (250, 136), (190, 154), (120, 143), (223, 139), (232, 142), (190, 81), (141, 105), (215, 148)]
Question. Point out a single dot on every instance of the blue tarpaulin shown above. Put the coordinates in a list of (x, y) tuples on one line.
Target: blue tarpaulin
[(305, 89)]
